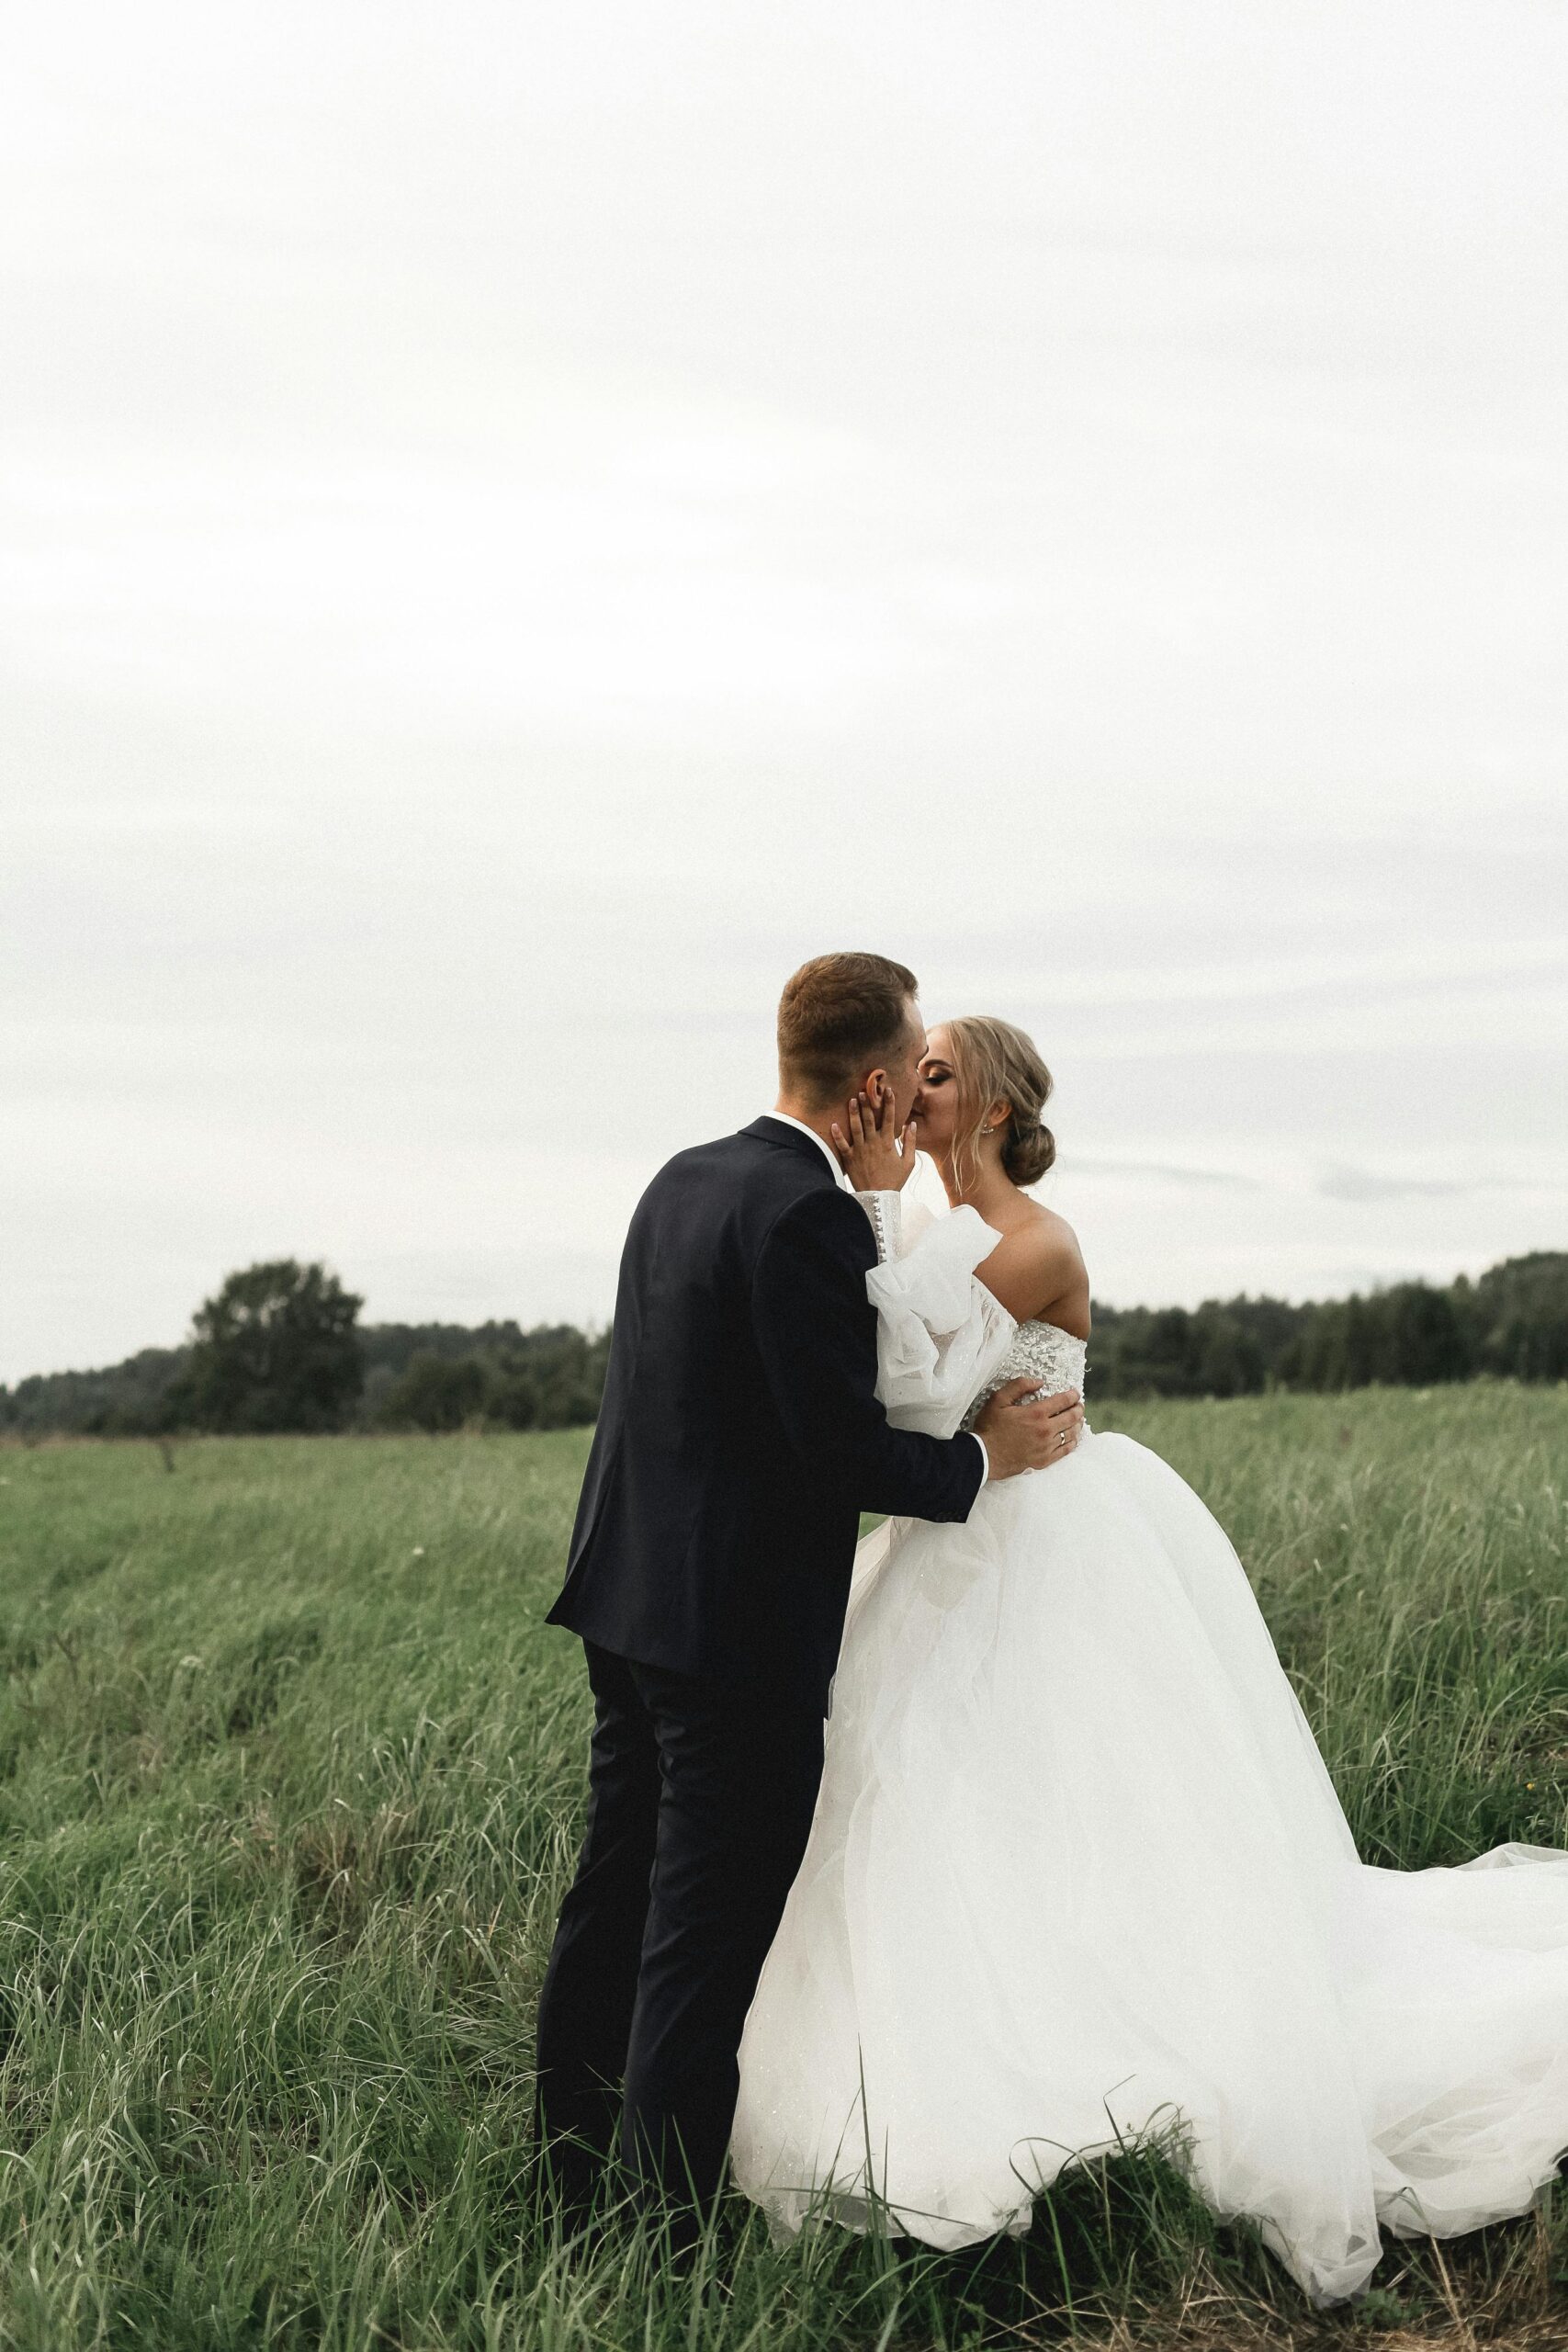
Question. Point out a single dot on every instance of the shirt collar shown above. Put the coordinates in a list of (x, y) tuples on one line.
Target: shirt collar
[(827, 1150)]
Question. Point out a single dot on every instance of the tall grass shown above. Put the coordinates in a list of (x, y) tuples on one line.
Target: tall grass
[(291, 1784)]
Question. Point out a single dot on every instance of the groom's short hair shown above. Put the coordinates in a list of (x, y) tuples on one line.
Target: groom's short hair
[(836, 1016)]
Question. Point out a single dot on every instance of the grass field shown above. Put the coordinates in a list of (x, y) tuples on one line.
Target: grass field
[(290, 1782)]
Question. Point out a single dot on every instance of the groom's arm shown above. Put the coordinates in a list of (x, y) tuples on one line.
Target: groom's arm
[(815, 1331)]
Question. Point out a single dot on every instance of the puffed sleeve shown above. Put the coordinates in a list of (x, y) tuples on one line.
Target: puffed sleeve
[(940, 1333), (815, 1334)]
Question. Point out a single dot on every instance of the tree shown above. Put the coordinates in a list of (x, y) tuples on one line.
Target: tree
[(1523, 1304), (434, 1392), (276, 1348), (1229, 1361), (1426, 1338), (1169, 1352)]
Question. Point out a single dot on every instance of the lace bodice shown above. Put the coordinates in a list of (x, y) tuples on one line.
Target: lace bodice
[(1043, 1350)]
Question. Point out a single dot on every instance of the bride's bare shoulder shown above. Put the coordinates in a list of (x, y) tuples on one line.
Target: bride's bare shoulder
[(1038, 1271)]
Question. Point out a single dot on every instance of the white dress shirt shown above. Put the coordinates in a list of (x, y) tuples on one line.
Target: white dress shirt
[(841, 1177)]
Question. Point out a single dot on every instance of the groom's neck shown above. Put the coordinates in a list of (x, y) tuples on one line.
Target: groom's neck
[(818, 1121)]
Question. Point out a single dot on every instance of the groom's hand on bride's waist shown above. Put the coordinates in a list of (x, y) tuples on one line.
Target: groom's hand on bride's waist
[(1029, 1436)]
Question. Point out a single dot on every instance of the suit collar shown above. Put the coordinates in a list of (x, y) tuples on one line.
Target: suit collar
[(770, 1128)]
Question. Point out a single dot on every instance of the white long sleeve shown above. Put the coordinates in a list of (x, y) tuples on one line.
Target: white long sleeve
[(936, 1327)]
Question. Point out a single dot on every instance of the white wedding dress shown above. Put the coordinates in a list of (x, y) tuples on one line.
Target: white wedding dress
[(1077, 1875)]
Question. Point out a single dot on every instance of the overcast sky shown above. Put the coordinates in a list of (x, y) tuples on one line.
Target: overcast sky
[(523, 524)]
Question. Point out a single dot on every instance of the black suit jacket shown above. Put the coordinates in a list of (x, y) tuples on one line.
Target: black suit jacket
[(741, 1437)]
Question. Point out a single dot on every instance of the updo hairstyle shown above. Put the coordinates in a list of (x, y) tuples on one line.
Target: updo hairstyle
[(993, 1061)]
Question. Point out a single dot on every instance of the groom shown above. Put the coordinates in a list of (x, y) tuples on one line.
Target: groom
[(739, 1440)]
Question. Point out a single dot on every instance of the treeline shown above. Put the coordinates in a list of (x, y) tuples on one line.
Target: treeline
[(280, 1347), (444, 1376), (1511, 1321)]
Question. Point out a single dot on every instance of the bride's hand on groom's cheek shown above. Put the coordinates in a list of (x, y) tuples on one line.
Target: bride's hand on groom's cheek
[(876, 1155)]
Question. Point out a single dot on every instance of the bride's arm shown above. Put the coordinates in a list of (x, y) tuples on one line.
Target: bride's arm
[(818, 1338), (879, 1162), (1038, 1270), (883, 1210)]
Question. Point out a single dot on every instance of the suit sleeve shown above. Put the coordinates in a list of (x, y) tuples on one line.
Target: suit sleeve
[(815, 1331)]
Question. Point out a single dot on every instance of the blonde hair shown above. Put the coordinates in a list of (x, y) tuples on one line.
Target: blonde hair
[(993, 1061)]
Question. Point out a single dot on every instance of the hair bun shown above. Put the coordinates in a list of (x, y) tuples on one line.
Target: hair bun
[(1028, 1152)]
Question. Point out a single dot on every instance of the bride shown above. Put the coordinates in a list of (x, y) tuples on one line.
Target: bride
[(1078, 1873)]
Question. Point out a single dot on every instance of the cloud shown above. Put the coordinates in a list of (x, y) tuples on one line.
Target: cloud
[(1342, 1184), (1164, 1173), (1362, 1184)]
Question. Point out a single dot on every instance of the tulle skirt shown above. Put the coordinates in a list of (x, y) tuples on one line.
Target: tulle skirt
[(1079, 1877)]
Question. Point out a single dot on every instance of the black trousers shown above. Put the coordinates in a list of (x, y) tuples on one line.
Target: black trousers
[(700, 1803)]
